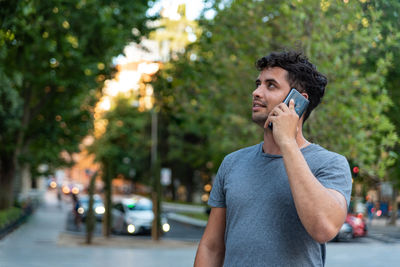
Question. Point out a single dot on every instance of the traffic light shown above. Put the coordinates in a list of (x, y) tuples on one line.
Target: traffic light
[(355, 170)]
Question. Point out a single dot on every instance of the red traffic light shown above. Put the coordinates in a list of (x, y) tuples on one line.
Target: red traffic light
[(356, 170)]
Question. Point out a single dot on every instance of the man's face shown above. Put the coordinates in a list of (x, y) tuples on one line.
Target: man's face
[(271, 89)]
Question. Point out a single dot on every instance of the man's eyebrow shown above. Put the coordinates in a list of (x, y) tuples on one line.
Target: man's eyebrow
[(271, 80), (268, 80)]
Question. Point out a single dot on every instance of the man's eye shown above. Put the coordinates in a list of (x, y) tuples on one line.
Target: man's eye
[(271, 85), (258, 84)]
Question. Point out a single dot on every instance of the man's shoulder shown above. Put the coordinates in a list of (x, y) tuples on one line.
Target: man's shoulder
[(322, 154), (250, 150)]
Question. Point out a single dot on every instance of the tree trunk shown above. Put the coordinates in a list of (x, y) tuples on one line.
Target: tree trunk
[(10, 174), (155, 228), (172, 188), (107, 177), (21, 144), (90, 218), (155, 169), (393, 216), (156, 198), (7, 172), (189, 185)]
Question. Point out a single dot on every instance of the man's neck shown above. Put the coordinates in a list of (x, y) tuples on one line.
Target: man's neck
[(270, 147)]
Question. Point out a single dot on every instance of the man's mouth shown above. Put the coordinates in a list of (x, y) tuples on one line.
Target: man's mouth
[(257, 104)]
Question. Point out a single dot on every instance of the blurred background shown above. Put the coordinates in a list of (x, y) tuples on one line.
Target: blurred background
[(115, 116)]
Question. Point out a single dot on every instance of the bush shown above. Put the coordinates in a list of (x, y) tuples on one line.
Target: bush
[(9, 215)]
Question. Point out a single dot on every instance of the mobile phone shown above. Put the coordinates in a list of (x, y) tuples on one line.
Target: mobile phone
[(300, 103)]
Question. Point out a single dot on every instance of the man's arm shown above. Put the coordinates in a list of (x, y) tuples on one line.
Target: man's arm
[(211, 251), (322, 211)]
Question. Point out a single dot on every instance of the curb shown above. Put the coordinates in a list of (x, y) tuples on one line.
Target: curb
[(188, 220), (66, 239), (177, 207)]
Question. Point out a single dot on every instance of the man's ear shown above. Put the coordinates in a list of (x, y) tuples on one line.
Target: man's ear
[(305, 95)]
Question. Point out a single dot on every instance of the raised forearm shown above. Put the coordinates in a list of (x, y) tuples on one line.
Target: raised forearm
[(322, 211)]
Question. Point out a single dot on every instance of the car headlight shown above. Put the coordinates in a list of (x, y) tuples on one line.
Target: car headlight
[(75, 190), (166, 227), (131, 228), (100, 210), (53, 184), (66, 190)]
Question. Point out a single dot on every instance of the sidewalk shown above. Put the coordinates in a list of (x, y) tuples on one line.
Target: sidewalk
[(42, 242)]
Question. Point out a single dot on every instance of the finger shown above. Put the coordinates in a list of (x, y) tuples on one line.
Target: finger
[(291, 104), (277, 110), (270, 119), (283, 107)]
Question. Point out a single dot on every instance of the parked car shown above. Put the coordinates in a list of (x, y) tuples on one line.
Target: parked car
[(134, 216), (98, 207), (345, 233), (358, 223), (354, 226)]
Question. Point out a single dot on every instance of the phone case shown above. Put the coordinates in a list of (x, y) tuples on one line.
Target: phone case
[(300, 103)]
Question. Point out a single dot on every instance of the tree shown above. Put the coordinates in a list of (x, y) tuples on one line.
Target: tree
[(176, 34), (125, 143), (389, 42), (57, 53), (123, 149), (207, 92)]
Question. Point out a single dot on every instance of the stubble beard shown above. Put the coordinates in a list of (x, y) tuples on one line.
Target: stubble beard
[(259, 119)]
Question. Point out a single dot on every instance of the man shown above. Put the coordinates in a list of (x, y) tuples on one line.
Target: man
[(278, 202)]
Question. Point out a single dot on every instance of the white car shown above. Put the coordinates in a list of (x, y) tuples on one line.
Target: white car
[(135, 215)]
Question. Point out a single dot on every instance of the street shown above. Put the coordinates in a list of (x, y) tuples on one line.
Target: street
[(367, 253), (43, 241), (39, 243)]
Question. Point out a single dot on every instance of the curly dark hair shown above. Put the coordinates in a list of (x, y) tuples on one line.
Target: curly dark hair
[(302, 75)]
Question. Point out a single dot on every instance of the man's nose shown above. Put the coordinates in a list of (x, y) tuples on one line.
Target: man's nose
[(256, 93)]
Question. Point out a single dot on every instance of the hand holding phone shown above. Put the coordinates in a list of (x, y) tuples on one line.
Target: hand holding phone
[(300, 103)]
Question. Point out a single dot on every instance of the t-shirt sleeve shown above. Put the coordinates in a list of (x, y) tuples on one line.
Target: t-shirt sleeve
[(335, 174), (217, 195)]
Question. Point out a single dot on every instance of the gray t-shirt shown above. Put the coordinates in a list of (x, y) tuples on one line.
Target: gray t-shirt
[(262, 225)]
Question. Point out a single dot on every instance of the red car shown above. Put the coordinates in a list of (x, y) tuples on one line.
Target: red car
[(358, 224)]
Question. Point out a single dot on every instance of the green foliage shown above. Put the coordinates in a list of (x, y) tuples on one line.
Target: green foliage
[(125, 145), (389, 41), (8, 216), (352, 119), (206, 94), (54, 58), (10, 110), (57, 53)]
